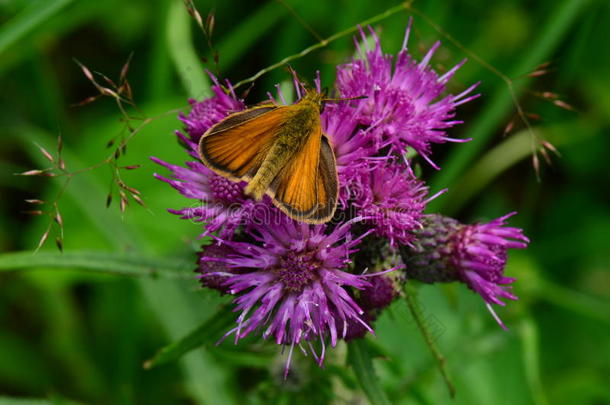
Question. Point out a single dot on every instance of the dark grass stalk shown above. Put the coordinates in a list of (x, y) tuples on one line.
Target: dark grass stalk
[(410, 298)]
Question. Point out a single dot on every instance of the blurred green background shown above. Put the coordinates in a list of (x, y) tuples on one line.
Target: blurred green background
[(71, 334)]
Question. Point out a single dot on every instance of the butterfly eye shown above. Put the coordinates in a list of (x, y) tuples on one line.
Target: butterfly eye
[(322, 107)]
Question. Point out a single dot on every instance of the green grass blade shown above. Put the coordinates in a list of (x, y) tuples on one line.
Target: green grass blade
[(501, 103), (26, 21), (360, 360), (506, 154), (208, 331), (580, 303), (160, 66), (183, 53), (530, 342), (35, 401), (410, 294), (103, 262)]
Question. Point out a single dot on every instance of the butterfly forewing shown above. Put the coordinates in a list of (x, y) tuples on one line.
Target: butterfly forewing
[(236, 146), (240, 118)]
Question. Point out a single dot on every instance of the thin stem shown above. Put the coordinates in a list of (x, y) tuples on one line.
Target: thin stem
[(410, 297), (300, 20), (389, 12)]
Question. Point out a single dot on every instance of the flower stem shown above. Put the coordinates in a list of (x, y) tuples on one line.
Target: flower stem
[(411, 299), (381, 16)]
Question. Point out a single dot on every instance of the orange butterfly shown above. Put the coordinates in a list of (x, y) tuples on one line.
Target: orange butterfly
[(280, 151)]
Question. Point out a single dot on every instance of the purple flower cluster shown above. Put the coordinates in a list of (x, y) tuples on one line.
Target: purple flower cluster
[(299, 284)]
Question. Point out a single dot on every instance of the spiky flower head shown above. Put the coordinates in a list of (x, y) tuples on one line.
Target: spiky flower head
[(445, 250), (393, 201), (291, 284), (404, 106), (208, 112), (354, 149)]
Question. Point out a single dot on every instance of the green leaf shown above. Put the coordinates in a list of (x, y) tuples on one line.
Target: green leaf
[(531, 358), (183, 53), (103, 262), (359, 359), (208, 331), (570, 299), (243, 355), (26, 21), (34, 401)]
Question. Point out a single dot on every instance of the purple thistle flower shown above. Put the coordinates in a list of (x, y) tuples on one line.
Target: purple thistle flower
[(392, 200), (379, 294), (372, 299), (208, 112), (212, 272), (292, 284), (400, 104), (446, 250), (353, 149)]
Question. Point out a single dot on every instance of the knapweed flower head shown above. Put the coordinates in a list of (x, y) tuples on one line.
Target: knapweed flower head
[(393, 200), (403, 105), (208, 112), (446, 250), (310, 286), (291, 283), (354, 151)]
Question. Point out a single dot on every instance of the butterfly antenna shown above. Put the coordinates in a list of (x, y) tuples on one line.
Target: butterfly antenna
[(300, 84), (345, 99), (245, 93)]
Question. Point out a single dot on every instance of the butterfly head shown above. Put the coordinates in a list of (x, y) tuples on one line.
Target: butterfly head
[(313, 99)]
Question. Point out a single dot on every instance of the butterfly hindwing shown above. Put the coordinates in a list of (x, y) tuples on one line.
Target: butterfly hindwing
[(327, 185), (237, 145), (294, 189)]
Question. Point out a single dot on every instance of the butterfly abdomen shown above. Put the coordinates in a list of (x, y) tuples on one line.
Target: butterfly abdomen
[(282, 152)]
